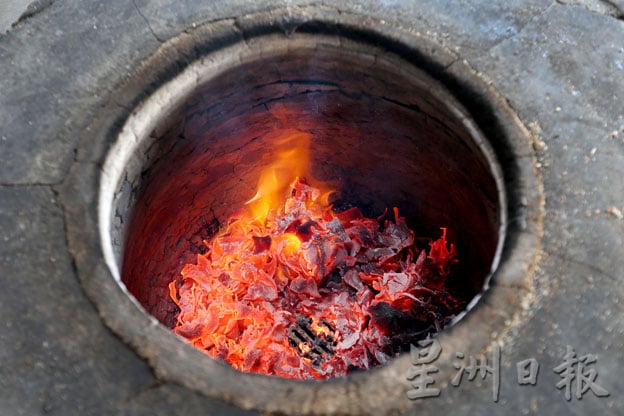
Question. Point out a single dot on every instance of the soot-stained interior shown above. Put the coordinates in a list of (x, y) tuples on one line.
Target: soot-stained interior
[(380, 132)]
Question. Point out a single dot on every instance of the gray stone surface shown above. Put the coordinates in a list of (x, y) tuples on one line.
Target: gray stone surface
[(54, 347), (38, 132), (10, 12), (561, 66), (56, 356), (570, 85)]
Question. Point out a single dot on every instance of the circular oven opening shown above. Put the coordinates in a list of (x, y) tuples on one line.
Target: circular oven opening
[(381, 131)]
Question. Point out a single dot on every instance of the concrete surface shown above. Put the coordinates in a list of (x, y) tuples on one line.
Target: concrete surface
[(10, 11), (561, 67)]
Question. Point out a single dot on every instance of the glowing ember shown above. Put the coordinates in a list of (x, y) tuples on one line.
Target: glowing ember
[(294, 289)]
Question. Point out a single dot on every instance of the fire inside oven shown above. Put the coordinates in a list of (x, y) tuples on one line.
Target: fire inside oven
[(310, 212)]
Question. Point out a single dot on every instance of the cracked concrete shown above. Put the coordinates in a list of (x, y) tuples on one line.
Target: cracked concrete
[(560, 66), (614, 8), (10, 12), (146, 22)]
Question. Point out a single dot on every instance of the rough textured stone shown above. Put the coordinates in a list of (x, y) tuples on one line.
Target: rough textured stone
[(567, 86), (56, 356), (38, 132), (175, 400), (10, 11), (467, 27), (570, 86)]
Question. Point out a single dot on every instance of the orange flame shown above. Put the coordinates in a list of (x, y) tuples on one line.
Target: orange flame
[(290, 243), (292, 161), (243, 298)]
